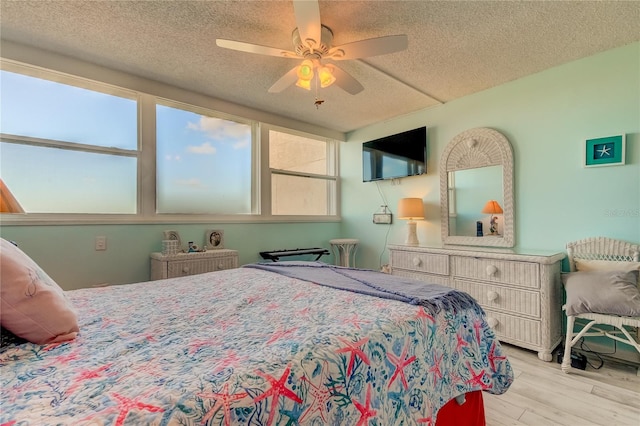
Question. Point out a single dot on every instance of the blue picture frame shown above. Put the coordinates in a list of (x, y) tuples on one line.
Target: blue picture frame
[(607, 151)]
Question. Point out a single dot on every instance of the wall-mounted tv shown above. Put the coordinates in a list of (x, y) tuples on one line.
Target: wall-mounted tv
[(395, 156)]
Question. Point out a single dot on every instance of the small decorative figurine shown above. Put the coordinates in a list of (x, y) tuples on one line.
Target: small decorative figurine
[(493, 229)]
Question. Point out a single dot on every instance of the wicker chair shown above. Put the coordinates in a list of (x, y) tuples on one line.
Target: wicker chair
[(600, 249)]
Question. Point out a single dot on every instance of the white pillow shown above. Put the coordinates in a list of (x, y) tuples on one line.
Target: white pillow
[(32, 305)]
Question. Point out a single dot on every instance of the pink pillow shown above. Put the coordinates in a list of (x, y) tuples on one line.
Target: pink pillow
[(32, 305)]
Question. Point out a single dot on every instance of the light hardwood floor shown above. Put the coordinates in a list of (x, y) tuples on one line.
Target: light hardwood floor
[(542, 394)]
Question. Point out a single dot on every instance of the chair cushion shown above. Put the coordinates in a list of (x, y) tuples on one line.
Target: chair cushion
[(32, 305), (603, 292)]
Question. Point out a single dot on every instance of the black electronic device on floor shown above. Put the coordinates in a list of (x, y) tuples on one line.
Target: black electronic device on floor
[(578, 361)]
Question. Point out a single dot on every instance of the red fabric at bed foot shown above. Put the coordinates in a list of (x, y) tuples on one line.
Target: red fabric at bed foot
[(471, 413)]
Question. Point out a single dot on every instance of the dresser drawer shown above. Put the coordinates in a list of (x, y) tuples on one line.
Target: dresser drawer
[(502, 298), (427, 278), (511, 329), (521, 274), (420, 262), (199, 266)]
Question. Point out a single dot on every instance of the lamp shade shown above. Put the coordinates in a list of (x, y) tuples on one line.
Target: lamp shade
[(411, 208), (8, 203), (492, 207)]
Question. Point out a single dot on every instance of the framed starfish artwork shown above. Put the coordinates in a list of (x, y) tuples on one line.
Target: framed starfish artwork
[(607, 151)]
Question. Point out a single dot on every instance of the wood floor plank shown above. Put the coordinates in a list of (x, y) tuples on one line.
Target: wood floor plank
[(622, 396), (496, 420), (503, 405), (537, 408), (577, 402), (532, 419), (543, 395)]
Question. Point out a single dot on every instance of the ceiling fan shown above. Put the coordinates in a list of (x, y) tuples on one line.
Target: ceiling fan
[(312, 43)]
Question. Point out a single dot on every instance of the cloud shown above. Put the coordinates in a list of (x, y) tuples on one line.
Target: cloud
[(221, 130), (205, 148), (242, 144)]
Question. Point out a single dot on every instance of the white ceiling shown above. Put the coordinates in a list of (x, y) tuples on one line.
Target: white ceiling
[(456, 48)]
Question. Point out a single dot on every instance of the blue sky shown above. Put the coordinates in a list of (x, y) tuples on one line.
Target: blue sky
[(204, 162)]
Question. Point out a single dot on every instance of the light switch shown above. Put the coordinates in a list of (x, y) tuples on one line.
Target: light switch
[(101, 243)]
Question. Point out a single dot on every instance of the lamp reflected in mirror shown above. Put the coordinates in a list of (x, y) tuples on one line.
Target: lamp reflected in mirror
[(411, 209), (492, 208), (8, 203)]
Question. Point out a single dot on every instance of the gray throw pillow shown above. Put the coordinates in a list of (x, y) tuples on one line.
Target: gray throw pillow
[(602, 292)]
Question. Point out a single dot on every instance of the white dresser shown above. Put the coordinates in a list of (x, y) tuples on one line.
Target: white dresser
[(520, 290), (183, 264)]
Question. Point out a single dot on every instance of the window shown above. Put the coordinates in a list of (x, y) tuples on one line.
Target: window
[(203, 163), (68, 149), (74, 149), (303, 179)]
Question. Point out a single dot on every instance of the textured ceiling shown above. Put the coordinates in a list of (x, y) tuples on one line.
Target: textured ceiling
[(456, 48)]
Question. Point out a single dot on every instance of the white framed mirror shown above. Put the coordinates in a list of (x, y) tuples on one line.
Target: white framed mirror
[(476, 190)]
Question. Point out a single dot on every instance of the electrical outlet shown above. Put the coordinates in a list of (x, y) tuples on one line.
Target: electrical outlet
[(101, 243)]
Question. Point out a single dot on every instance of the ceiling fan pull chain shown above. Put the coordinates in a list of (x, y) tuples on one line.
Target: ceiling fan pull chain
[(318, 102)]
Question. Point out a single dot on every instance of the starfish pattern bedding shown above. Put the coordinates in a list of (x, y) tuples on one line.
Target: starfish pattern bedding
[(250, 347)]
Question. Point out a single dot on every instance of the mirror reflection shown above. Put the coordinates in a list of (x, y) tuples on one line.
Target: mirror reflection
[(469, 192)]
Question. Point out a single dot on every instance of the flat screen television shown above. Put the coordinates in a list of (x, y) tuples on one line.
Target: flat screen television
[(395, 156)]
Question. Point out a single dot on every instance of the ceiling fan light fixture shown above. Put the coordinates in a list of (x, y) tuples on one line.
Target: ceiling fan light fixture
[(305, 70), (305, 84), (325, 74)]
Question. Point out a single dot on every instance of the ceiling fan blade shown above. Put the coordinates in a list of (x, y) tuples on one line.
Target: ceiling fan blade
[(369, 47), (255, 48), (346, 82), (308, 21), (285, 81)]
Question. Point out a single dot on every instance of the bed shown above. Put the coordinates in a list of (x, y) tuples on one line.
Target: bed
[(258, 345)]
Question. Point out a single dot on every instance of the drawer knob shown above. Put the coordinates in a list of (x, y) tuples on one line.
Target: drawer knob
[(492, 322), (185, 269), (491, 270), (417, 261), (492, 296)]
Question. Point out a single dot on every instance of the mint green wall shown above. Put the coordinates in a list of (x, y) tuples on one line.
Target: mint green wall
[(546, 117), (67, 252)]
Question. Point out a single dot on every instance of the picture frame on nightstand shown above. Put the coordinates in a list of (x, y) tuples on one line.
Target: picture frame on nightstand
[(214, 239)]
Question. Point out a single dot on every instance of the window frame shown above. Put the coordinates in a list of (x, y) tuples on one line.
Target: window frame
[(332, 147), (146, 159), (255, 182)]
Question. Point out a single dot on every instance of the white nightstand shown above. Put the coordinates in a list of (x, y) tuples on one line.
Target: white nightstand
[(183, 264)]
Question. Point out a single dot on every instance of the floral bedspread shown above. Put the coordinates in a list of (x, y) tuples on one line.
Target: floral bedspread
[(249, 347)]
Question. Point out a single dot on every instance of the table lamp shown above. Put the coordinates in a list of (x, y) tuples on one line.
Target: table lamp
[(411, 209), (492, 208)]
